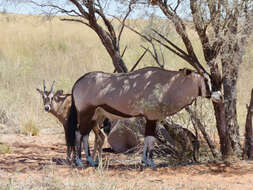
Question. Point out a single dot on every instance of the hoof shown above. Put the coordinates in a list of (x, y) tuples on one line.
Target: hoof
[(68, 161), (79, 163), (92, 163), (152, 165), (149, 163)]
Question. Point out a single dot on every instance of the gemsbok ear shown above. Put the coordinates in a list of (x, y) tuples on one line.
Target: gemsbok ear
[(39, 91), (58, 93), (186, 71)]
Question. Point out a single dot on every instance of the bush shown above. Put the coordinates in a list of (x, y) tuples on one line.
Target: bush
[(5, 149), (30, 128)]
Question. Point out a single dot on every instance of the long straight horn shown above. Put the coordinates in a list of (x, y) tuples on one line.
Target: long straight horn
[(52, 87), (44, 86), (199, 68)]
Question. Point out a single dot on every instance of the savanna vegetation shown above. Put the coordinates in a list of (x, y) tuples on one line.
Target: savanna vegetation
[(33, 48)]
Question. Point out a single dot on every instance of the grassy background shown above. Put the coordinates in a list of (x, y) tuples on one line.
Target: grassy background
[(33, 48)]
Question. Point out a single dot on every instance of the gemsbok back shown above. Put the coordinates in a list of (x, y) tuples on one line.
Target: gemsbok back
[(151, 92), (58, 104)]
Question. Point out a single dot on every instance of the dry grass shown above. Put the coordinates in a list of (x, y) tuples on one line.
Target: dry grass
[(72, 179), (32, 164), (5, 149), (33, 49), (30, 128)]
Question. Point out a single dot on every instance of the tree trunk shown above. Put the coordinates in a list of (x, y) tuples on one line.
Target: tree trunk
[(231, 59), (230, 95), (111, 47), (219, 110), (118, 63), (248, 144), (225, 144)]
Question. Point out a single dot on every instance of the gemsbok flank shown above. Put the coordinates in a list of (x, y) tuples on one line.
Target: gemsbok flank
[(58, 104), (151, 92)]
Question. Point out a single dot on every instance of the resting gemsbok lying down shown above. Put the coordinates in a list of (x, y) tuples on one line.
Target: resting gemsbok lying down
[(58, 104), (151, 92), (121, 136)]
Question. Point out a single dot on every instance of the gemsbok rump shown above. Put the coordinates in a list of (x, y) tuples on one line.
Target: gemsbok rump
[(151, 92)]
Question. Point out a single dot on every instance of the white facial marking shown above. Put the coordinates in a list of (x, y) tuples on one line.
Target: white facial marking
[(216, 96)]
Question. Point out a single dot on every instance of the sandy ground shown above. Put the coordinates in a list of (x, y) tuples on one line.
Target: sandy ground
[(34, 158)]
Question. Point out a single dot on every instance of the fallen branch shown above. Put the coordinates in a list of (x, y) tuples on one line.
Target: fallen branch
[(197, 123)]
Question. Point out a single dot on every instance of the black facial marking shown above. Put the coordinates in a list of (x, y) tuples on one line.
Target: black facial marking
[(208, 92)]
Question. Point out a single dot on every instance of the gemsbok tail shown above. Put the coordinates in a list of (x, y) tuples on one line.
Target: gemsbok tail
[(72, 125)]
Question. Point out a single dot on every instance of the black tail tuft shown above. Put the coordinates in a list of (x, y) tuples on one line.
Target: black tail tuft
[(72, 126)]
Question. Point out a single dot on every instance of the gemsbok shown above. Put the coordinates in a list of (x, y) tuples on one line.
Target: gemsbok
[(151, 92), (121, 137), (58, 104)]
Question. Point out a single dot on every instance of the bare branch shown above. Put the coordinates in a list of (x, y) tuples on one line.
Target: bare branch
[(196, 122), (138, 61), (155, 57), (80, 8), (135, 31), (163, 58), (186, 58), (179, 26), (215, 15), (148, 39), (178, 3), (75, 20), (124, 51), (124, 20), (193, 61), (156, 54), (247, 25), (59, 9)]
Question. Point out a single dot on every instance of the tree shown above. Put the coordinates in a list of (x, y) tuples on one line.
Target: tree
[(89, 12), (223, 28)]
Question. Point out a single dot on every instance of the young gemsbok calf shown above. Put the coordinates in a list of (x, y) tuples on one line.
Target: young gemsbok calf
[(58, 104), (151, 92)]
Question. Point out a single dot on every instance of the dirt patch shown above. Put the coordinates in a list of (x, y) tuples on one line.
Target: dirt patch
[(43, 157)]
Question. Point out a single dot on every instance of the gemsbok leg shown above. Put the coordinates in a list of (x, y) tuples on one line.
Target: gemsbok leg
[(99, 141), (77, 153), (87, 151), (147, 157)]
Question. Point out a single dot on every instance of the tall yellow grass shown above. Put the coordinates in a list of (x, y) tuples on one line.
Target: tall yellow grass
[(33, 48)]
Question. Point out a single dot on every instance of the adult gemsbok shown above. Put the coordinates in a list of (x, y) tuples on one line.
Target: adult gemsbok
[(151, 92), (58, 104)]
